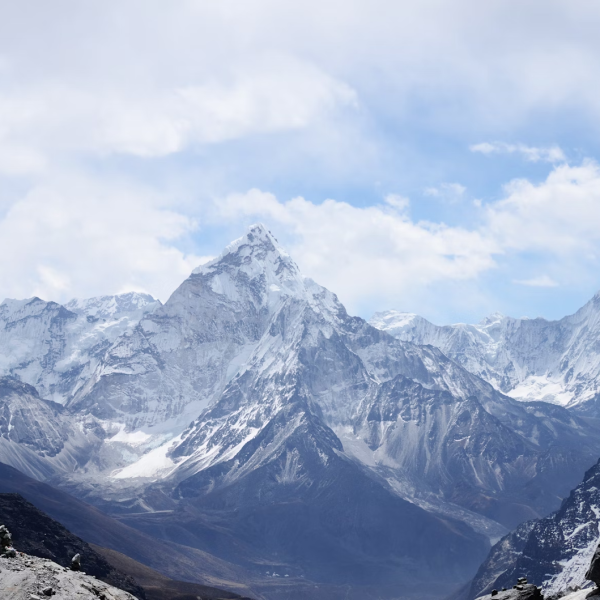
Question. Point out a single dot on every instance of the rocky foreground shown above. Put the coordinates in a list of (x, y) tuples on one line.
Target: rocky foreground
[(526, 591), (24, 577)]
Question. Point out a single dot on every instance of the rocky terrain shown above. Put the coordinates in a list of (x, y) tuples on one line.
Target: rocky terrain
[(27, 577), (554, 552)]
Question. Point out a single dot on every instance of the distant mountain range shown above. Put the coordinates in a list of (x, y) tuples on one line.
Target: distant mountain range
[(252, 418), (527, 359)]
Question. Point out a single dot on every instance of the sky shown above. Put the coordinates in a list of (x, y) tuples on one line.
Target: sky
[(434, 157)]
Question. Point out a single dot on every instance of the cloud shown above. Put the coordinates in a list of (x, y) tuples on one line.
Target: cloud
[(541, 281), (363, 253), (400, 203), (81, 238), (551, 154), (269, 95), (556, 218), (376, 255), (451, 192), (104, 111)]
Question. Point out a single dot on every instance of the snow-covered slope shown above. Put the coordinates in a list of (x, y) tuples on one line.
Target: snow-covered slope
[(554, 552), (56, 348), (38, 437), (528, 359)]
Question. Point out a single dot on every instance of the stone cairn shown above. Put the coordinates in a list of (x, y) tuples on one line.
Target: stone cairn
[(521, 591), (6, 547)]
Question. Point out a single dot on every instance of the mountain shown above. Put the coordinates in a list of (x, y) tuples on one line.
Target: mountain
[(38, 437), (36, 534), (554, 552), (55, 348), (250, 417), (528, 359)]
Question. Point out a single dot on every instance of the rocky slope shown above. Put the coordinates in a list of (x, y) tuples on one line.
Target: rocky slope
[(554, 552), (528, 359), (27, 577), (36, 534)]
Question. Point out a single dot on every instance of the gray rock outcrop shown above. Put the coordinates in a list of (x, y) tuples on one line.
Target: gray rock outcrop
[(25, 577)]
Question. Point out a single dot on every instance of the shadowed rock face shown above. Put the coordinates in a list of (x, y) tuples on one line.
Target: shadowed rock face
[(554, 552), (593, 573)]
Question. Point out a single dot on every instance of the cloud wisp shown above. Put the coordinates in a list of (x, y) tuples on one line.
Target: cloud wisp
[(543, 281), (551, 154)]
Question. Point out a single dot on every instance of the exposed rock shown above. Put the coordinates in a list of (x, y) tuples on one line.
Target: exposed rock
[(521, 591), (27, 577), (35, 533), (593, 573), (554, 552), (76, 563)]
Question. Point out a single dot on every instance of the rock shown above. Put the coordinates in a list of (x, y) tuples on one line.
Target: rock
[(525, 591), (6, 548), (28, 578), (76, 563), (593, 573)]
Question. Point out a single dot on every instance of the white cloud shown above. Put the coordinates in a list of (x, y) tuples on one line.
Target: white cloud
[(91, 103), (82, 238), (557, 218), (543, 281), (400, 203), (451, 192), (394, 257), (270, 94), (551, 154), (365, 253)]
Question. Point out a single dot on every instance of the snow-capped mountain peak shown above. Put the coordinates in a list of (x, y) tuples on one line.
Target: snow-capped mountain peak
[(114, 307), (257, 262), (528, 359)]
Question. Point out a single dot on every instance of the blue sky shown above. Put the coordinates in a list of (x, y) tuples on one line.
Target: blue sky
[(433, 157)]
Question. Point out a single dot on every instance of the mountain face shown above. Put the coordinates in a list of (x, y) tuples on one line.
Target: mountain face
[(251, 416), (38, 437), (528, 359), (554, 552), (56, 348)]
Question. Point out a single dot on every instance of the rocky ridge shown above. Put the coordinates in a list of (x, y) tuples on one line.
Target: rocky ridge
[(528, 359), (25, 577)]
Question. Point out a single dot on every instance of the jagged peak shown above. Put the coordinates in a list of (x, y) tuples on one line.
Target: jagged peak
[(111, 305), (256, 255), (394, 319), (257, 237), (492, 319)]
